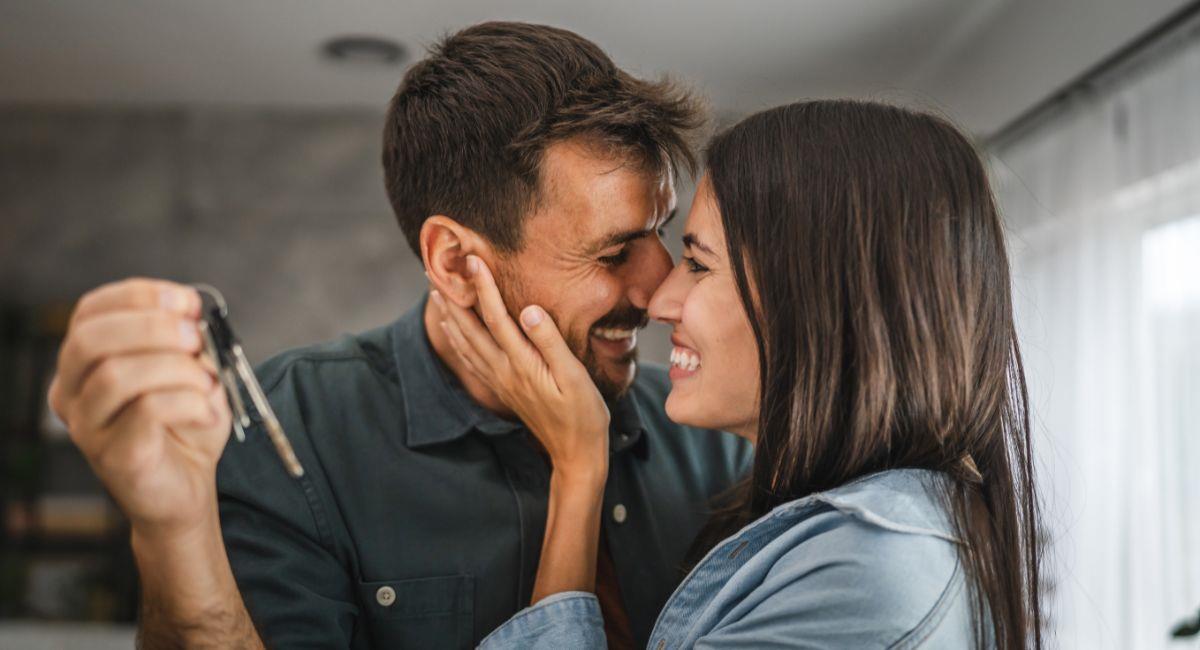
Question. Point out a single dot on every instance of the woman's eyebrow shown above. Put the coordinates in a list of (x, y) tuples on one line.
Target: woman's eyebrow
[(691, 241)]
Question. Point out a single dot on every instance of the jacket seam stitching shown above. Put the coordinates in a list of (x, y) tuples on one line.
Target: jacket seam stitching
[(932, 619)]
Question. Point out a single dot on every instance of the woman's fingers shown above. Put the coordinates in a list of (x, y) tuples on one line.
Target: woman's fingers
[(501, 344), (540, 329), (473, 338), (463, 349), (495, 314)]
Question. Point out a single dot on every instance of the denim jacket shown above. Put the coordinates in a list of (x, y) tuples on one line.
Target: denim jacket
[(869, 564)]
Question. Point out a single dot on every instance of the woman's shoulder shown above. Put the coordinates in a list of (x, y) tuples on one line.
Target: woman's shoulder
[(874, 562), (873, 555), (893, 527)]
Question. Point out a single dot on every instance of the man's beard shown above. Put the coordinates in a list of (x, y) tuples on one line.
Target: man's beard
[(624, 318), (628, 317)]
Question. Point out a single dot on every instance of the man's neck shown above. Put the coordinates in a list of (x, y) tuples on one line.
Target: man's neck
[(475, 387)]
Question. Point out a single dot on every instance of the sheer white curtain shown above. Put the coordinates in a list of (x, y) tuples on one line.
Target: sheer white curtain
[(1103, 207)]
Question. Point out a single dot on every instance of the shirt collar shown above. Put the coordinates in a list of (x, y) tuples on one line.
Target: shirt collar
[(437, 408)]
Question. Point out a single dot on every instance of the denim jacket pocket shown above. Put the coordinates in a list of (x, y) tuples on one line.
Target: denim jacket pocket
[(420, 613)]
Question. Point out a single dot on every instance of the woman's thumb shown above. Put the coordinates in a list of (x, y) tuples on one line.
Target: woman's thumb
[(531, 316), (540, 329)]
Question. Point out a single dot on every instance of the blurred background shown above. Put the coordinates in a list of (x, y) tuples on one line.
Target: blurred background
[(238, 143)]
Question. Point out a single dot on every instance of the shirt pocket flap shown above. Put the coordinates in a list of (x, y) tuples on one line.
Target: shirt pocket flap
[(419, 597), (421, 613)]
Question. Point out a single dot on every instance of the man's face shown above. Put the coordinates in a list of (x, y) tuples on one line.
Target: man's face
[(592, 256)]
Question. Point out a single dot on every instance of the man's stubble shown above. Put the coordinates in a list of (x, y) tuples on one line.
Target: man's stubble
[(512, 291)]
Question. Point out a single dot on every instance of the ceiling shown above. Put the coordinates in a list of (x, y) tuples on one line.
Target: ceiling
[(981, 61)]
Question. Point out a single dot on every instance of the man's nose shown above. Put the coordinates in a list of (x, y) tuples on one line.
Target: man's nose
[(652, 269)]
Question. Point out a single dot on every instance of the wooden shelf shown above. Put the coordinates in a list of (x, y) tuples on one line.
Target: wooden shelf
[(45, 482)]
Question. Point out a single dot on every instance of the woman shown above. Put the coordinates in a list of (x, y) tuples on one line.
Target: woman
[(843, 303)]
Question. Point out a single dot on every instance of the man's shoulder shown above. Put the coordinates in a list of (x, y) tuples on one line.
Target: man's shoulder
[(649, 392), (367, 352), (652, 380), (883, 544), (310, 389)]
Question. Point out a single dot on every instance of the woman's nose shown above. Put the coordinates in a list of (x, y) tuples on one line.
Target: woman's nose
[(667, 301)]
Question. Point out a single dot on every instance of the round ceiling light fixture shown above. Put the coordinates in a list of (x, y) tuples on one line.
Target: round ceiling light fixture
[(364, 51)]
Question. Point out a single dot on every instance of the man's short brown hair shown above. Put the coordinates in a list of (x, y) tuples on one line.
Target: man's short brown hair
[(466, 131)]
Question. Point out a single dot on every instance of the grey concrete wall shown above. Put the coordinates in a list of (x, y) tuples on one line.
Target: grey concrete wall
[(285, 212)]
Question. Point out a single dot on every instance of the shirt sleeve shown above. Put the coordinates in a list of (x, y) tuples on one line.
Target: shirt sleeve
[(570, 619), (297, 592)]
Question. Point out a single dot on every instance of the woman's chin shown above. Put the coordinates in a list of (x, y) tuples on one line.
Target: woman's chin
[(680, 411), (672, 408), (691, 411)]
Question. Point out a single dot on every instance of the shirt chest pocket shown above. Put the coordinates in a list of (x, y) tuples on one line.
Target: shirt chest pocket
[(422, 613)]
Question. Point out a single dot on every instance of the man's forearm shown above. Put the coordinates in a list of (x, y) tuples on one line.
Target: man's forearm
[(189, 596)]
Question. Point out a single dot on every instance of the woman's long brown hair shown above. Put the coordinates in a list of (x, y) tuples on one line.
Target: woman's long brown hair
[(867, 247)]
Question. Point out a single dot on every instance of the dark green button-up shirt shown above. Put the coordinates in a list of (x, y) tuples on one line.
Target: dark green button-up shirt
[(419, 520)]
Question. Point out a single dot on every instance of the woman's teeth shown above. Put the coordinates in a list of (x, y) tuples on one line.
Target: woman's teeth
[(685, 359), (612, 334)]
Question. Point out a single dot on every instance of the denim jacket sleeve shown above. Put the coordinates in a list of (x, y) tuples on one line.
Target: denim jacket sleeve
[(570, 619)]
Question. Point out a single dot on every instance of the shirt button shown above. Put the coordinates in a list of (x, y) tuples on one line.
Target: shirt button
[(619, 513), (624, 438), (385, 596)]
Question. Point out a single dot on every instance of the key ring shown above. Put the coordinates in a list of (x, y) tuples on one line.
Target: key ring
[(230, 359)]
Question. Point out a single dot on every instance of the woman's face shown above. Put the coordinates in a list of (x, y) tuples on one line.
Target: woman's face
[(714, 361)]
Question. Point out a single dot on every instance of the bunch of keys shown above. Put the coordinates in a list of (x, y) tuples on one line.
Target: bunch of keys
[(231, 363)]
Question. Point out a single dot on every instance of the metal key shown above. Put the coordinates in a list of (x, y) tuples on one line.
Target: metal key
[(232, 365)]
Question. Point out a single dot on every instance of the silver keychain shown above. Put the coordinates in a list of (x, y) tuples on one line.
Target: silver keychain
[(230, 360)]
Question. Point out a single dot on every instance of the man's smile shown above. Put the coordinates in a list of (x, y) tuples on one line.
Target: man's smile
[(613, 342)]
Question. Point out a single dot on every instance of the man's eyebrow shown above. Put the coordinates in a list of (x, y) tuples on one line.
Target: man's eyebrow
[(619, 238), (691, 241), (626, 236)]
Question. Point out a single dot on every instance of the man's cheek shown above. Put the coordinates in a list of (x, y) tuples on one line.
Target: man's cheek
[(575, 337), (580, 344), (606, 293)]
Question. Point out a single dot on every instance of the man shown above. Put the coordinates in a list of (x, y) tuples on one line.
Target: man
[(419, 519)]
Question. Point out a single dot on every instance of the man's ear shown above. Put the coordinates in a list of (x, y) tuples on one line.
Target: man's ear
[(445, 245)]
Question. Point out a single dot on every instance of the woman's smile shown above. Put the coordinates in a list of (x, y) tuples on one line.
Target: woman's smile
[(685, 363)]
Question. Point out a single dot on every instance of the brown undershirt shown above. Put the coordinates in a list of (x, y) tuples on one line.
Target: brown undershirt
[(608, 591)]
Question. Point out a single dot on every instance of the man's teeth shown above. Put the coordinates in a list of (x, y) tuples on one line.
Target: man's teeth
[(685, 359), (611, 334)]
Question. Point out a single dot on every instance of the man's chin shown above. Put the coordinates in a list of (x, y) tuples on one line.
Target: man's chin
[(614, 379)]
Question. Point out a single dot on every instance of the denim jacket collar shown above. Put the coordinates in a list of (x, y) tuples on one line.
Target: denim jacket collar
[(894, 499)]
